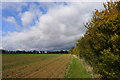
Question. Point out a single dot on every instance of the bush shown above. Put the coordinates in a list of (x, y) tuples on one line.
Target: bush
[(100, 46)]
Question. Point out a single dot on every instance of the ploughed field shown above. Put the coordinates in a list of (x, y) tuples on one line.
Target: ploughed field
[(35, 65)]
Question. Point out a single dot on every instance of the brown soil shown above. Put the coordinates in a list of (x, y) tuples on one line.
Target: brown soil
[(50, 68)]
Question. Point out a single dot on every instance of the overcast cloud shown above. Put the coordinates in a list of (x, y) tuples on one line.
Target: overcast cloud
[(58, 29)]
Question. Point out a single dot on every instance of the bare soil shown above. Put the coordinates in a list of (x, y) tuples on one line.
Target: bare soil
[(54, 67)]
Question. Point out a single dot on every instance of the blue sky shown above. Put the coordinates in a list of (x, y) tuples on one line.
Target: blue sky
[(44, 25), (8, 26)]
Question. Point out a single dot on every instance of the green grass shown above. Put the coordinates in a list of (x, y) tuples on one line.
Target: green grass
[(77, 70)]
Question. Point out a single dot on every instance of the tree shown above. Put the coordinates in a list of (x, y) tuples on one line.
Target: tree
[(100, 45)]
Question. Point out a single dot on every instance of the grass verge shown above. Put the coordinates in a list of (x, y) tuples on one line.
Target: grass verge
[(77, 70)]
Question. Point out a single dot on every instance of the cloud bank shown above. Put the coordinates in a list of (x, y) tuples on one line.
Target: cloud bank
[(58, 29)]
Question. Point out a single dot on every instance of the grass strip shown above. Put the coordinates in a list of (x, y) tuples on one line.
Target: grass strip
[(77, 70)]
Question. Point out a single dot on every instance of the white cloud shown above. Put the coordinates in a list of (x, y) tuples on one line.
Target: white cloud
[(55, 0), (12, 20), (59, 28), (28, 17), (14, 6), (1, 42)]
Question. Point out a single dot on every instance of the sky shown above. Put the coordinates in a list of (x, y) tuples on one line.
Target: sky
[(44, 25)]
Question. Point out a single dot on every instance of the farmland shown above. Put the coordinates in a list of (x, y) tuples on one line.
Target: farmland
[(42, 66), (35, 66)]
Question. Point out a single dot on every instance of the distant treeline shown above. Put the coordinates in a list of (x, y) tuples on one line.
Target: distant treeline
[(34, 52)]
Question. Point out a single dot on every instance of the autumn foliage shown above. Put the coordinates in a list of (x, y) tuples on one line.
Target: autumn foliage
[(100, 46)]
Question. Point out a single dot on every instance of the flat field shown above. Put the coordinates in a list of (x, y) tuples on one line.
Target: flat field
[(35, 65), (42, 66)]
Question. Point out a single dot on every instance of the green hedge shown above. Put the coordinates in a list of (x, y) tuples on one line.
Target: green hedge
[(100, 46)]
